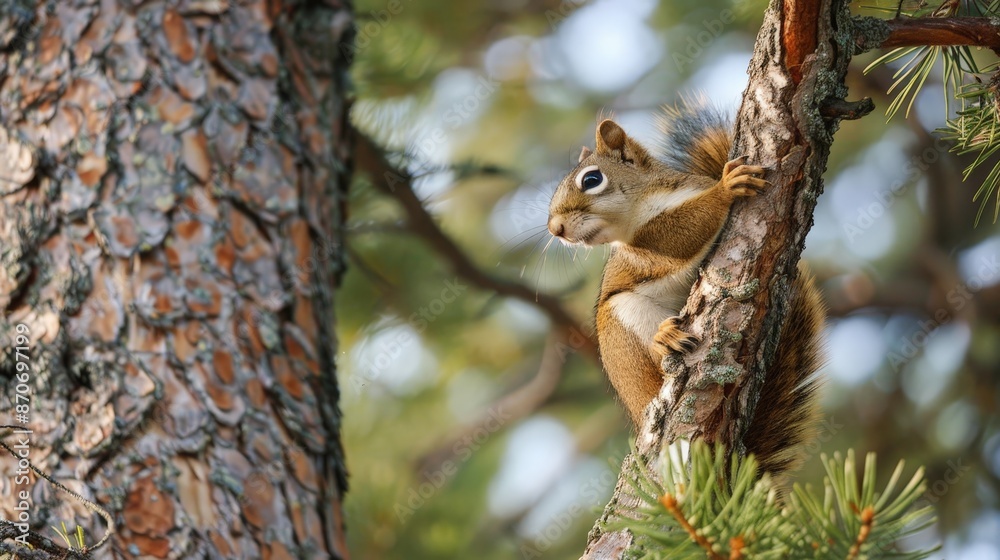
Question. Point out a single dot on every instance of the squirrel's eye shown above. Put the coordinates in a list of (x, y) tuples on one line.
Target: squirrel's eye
[(591, 180)]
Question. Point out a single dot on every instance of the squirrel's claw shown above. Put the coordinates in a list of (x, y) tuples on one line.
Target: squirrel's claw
[(670, 338), (740, 178), (733, 164)]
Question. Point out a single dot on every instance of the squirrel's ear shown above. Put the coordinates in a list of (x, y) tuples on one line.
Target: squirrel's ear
[(583, 154), (612, 141), (610, 137)]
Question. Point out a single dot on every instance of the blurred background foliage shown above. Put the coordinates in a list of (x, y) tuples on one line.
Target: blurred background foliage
[(471, 428)]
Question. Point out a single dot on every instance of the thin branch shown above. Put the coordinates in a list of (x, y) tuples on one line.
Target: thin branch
[(398, 183), (387, 288), (510, 408), (592, 433), (670, 502), (736, 546), (915, 32), (867, 520)]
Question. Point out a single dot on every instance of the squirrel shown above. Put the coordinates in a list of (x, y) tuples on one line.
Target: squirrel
[(661, 216)]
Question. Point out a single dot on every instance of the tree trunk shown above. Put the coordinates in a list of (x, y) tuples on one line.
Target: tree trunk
[(796, 77), (172, 191)]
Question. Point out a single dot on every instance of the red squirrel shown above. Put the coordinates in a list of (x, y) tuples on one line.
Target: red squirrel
[(661, 215)]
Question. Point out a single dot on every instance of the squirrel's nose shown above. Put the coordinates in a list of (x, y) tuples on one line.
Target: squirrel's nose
[(556, 226)]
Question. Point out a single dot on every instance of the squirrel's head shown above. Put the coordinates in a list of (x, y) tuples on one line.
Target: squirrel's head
[(595, 203)]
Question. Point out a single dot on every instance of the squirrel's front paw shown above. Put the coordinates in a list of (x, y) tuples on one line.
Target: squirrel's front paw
[(738, 178), (671, 338)]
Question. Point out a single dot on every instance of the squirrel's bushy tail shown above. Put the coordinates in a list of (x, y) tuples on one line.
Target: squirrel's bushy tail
[(787, 413), (695, 138)]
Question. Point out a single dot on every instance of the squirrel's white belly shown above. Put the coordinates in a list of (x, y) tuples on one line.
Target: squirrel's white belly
[(642, 309)]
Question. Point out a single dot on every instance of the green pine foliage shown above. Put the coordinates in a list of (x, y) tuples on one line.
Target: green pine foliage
[(974, 130), (711, 504), (973, 127)]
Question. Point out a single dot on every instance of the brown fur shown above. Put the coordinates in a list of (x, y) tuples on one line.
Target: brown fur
[(709, 150), (702, 150), (635, 376), (662, 222), (787, 412)]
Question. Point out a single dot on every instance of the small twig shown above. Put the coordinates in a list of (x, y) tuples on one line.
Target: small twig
[(848, 110), (383, 283), (670, 502), (87, 503), (867, 520), (736, 546)]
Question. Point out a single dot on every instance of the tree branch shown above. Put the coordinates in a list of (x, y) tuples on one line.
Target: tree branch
[(512, 407), (398, 184), (874, 33)]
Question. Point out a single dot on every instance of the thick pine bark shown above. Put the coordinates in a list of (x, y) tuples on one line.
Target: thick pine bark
[(796, 73), (172, 186)]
